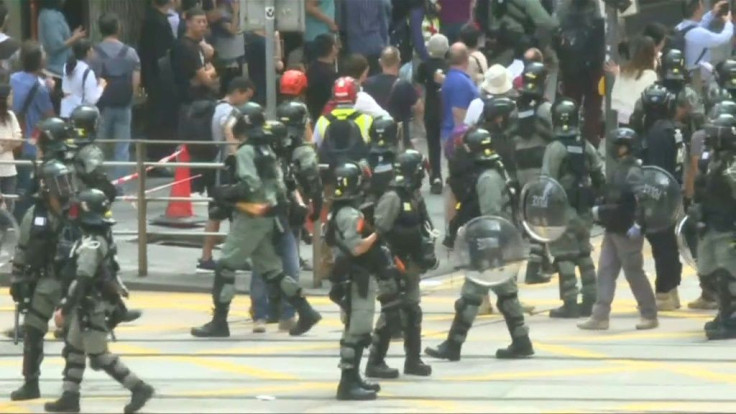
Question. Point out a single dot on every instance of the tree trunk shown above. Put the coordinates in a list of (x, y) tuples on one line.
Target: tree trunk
[(131, 14)]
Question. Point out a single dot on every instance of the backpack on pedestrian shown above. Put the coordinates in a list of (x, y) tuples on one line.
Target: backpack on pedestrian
[(118, 73), (677, 41), (343, 140), (198, 127)]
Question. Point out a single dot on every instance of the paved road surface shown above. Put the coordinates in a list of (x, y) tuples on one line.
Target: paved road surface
[(670, 369)]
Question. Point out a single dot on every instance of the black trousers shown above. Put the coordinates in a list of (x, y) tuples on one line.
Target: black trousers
[(432, 127), (666, 260)]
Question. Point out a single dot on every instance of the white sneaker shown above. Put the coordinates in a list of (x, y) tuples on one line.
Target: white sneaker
[(259, 326), (592, 324), (645, 323)]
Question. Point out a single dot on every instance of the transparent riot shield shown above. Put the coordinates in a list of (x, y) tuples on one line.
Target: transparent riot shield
[(9, 236), (491, 250), (543, 209), (687, 242), (660, 199)]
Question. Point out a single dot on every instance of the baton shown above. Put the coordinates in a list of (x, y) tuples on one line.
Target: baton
[(16, 329)]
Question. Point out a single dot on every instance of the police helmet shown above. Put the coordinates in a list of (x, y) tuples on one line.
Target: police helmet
[(479, 144), (56, 180), (292, 114), (718, 95), (384, 134), (720, 133), (658, 102), (348, 181), (533, 79), (410, 167), (277, 136), (53, 137), (94, 208), (723, 107), (498, 108), (565, 119), (727, 75), (251, 116), (623, 137), (672, 67), (84, 120)]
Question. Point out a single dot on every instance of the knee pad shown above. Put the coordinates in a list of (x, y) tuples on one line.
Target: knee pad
[(364, 341), (506, 302), (101, 361), (467, 301)]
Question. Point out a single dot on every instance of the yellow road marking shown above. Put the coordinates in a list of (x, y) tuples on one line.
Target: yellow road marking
[(267, 350), (6, 407), (568, 351), (269, 389), (548, 373), (627, 336)]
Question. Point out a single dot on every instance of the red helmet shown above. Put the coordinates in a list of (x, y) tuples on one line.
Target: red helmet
[(345, 90), (293, 83)]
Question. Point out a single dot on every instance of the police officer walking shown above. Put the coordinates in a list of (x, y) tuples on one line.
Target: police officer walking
[(36, 287), (94, 288), (713, 215), (259, 196), (576, 165), (384, 147), (622, 241), (532, 133), (353, 287), (87, 157), (663, 146), (494, 195), (401, 218)]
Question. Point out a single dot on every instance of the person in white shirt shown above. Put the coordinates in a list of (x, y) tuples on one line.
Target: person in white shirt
[(79, 83), (497, 82), (12, 137), (634, 77), (700, 39)]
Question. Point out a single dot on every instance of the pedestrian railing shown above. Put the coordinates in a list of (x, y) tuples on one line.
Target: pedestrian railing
[(142, 199)]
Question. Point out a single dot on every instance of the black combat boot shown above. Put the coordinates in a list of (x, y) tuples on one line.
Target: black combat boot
[(67, 403), (586, 308), (520, 348), (724, 326), (140, 395), (367, 385), (308, 316), (376, 366), (569, 310), (413, 364), (713, 325), (32, 357), (217, 328), (132, 315), (349, 388), (450, 349), (534, 275)]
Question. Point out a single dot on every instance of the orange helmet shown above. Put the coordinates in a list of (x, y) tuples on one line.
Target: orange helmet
[(345, 90), (293, 82)]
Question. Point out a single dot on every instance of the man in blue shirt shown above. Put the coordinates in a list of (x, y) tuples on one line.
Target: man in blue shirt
[(366, 24), (31, 103), (458, 90), (699, 40)]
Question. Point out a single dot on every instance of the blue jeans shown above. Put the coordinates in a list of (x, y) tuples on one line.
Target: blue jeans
[(260, 291), (115, 124)]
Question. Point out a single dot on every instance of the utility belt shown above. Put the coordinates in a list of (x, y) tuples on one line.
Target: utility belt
[(581, 197)]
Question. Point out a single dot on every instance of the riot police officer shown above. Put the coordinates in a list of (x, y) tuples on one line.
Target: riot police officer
[(532, 133), (499, 117), (94, 286), (53, 137), (382, 153), (572, 161), (401, 218), (36, 286), (663, 146), (259, 199), (87, 157), (494, 195), (353, 286), (724, 86), (713, 214), (622, 241)]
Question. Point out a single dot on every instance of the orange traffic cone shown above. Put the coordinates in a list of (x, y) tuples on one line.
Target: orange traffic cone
[(180, 213)]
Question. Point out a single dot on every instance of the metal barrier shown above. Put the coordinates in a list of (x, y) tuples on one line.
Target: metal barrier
[(143, 232)]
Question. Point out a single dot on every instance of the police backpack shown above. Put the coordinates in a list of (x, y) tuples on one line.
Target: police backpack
[(342, 141)]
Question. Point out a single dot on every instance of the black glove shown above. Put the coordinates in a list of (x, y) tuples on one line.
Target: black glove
[(17, 291)]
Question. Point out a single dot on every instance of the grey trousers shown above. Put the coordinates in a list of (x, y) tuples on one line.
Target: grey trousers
[(619, 252)]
